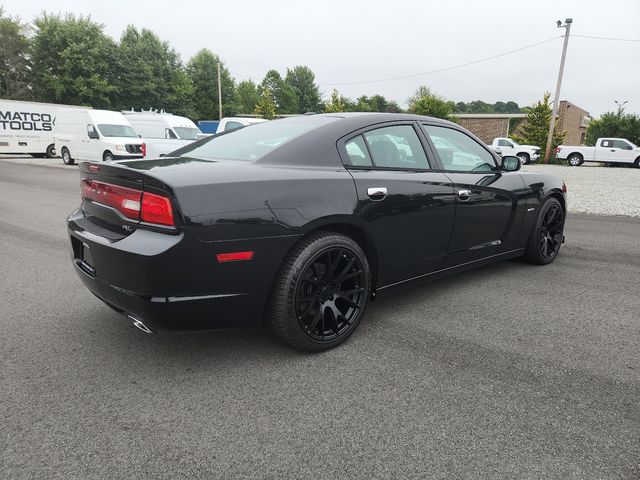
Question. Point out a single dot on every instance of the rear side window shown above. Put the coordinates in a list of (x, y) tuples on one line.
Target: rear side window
[(396, 147), (357, 152), (458, 151), (606, 143)]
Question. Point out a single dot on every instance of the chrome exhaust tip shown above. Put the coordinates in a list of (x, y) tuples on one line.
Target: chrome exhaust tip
[(139, 324)]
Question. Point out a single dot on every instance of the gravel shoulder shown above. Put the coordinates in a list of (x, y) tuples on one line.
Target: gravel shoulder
[(598, 190)]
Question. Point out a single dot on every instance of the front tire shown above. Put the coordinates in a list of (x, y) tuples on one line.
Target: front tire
[(321, 292), (637, 163), (66, 156), (546, 237), (524, 157), (107, 156), (575, 160)]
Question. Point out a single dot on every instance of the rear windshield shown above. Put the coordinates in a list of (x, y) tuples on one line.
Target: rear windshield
[(187, 133), (109, 130), (254, 141)]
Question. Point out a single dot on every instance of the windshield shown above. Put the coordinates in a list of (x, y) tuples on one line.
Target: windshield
[(187, 133), (109, 130), (255, 141)]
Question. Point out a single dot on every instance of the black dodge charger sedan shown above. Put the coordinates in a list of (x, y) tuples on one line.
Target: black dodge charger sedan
[(299, 222)]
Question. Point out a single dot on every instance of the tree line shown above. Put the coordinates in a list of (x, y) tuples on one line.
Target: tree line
[(69, 59)]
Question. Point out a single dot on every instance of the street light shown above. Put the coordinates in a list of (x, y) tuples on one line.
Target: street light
[(621, 106), (567, 27)]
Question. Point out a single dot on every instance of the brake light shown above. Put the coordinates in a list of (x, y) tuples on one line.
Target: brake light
[(125, 200), (558, 150), (156, 209), (143, 148), (564, 187), (234, 256), (132, 203)]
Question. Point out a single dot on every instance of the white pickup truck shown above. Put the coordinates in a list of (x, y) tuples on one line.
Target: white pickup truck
[(607, 150), (506, 146)]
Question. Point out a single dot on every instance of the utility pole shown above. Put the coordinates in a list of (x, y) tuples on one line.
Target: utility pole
[(567, 27), (219, 93)]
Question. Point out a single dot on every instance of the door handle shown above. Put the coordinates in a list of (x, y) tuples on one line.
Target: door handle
[(613, 149), (464, 194), (377, 193)]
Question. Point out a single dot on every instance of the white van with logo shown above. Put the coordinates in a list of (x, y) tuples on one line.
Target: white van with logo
[(27, 127), (162, 132), (95, 135)]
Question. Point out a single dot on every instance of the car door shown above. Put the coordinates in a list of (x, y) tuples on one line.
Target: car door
[(406, 208), (604, 151), (489, 202), (622, 152), (505, 147)]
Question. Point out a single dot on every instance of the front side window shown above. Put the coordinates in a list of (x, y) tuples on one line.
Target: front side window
[(504, 143), (396, 147), (621, 144), (458, 151), (232, 126), (187, 133)]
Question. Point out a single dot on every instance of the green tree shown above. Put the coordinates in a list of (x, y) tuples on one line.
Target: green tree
[(425, 102), (535, 128), (266, 106), (337, 103), (150, 74), (202, 71), (614, 124), (73, 61), (247, 96), (15, 64), (283, 94), (302, 82)]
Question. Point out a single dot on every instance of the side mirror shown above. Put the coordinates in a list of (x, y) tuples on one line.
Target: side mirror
[(510, 163), (93, 135)]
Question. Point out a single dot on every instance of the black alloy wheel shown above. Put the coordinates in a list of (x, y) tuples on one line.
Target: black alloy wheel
[(330, 294), (321, 292), (547, 236)]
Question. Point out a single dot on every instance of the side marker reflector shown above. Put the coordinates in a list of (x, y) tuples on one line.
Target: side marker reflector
[(234, 256)]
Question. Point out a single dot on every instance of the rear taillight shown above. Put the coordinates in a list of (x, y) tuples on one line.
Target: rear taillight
[(143, 149), (132, 203), (558, 150), (564, 187), (156, 209)]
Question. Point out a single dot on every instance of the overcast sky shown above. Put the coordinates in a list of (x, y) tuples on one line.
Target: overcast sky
[(345, 41)]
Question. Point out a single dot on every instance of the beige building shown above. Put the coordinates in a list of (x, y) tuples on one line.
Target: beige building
[(488, 126)]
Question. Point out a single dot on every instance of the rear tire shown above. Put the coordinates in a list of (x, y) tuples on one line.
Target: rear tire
[(637, 163), (575, 159), (107, 156), (320, 293), (524, 157), (66, 156), (547, 234), (51, 151)]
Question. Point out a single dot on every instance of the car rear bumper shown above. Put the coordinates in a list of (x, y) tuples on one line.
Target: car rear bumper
[(170, 282)]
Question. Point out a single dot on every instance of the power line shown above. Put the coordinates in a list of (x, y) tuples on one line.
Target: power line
[(608, 38), (444, 69)]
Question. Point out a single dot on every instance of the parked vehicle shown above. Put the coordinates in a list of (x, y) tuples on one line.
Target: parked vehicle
[(506, 146), (95, 135), (233, 123), (301, 221), (162, 132), (607, 150), (27, 127)]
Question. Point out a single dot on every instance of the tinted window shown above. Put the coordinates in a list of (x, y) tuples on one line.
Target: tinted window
[(357, 151), (621, 144), (459, 151), (232, 126), (254, 142), (396, 147)]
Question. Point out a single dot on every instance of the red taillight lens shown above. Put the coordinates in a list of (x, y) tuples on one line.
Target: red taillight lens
[(125, 200), (234, 256), (564, 187), (558, 150), (132, 203), (144, 150), (156, 209)]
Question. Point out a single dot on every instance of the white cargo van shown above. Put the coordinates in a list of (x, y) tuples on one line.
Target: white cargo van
[(95, 135), (162, 132), (27, 127)]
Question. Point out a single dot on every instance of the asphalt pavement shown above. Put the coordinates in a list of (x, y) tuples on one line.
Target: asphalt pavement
[(508, 371)]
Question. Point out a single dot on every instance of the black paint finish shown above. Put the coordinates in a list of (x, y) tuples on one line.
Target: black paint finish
[(169, 276)]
